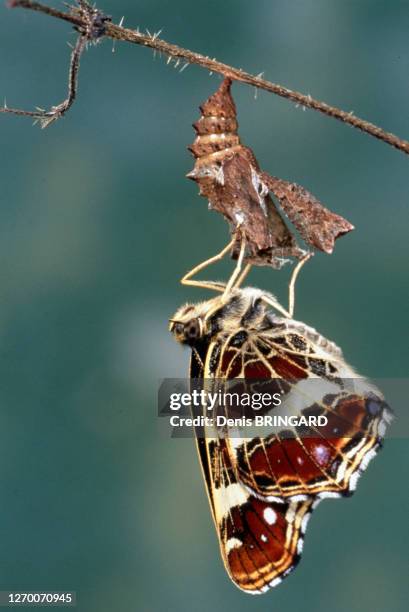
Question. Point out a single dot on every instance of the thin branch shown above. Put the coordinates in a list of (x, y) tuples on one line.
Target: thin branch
[(47, 117), (91, 27), (174, 52)]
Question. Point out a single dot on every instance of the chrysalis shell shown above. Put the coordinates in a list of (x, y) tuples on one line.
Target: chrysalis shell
[(230, 178), (217, 127)]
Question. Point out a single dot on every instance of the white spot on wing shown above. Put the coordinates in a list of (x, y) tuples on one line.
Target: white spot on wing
[(233, 543), (328, 494), (272, 498), (270, 516), (356, 448), (354, 479), (227, 498), (341, 471), (300, 497), (369, 455), (290, 514), (304, 522)]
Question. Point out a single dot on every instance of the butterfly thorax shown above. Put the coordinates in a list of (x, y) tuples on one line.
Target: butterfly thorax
[(248, 310), (244, 309)]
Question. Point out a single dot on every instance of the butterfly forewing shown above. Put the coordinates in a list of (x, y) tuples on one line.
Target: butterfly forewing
[(314, 380)]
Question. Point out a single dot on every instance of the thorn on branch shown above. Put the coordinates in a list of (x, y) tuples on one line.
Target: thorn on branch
[(120, 25)]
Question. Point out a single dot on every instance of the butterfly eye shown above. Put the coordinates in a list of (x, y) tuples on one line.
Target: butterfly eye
[(178, 329)]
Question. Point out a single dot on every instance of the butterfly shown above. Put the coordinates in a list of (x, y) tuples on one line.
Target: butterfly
[(262, 489)]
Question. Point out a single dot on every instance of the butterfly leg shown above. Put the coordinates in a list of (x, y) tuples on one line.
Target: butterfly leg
[(213, 285), (291, 286), (236, 276), (242, 276), (273, 302)]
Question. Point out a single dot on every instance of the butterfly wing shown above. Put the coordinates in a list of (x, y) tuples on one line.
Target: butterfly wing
[(260, 541), (262, 490), (314, 380)]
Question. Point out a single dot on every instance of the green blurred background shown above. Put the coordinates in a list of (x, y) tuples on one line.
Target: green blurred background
[(97, 225)]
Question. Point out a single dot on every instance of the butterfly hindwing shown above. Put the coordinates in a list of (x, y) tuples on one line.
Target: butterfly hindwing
[(260, 541)]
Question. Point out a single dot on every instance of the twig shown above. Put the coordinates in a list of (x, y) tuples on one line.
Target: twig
[(91, 28), (47, 117), (116, 32)]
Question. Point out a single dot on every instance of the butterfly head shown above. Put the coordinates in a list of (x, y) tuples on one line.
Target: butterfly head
[(196, 323), (188, 324)]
